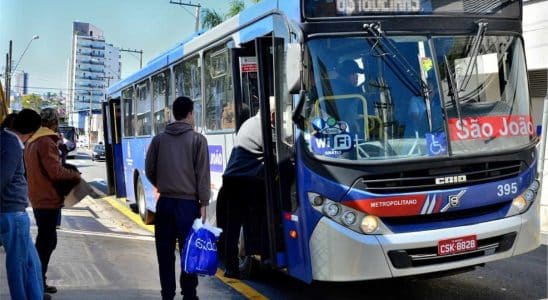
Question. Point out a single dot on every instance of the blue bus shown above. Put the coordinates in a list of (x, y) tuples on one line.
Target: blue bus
[(421, 161)]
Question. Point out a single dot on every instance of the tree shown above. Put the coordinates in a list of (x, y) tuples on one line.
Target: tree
[(32, 101), (211, 18), (236, 6)]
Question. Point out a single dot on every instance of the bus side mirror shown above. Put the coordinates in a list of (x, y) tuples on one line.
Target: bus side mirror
[(293, 66), (297, 116)]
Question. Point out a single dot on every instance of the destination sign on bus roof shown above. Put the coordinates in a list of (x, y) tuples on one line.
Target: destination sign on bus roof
[(343, 8)]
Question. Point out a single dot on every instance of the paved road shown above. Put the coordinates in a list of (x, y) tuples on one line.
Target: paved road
[(521, 277)]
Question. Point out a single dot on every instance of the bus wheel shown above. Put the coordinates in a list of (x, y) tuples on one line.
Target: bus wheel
[(146, 215), (247, 264)]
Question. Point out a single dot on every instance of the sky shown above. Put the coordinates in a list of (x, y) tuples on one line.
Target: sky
[(149, 25)]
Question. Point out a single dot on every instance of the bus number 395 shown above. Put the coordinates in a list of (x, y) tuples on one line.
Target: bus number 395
[(507, 189)]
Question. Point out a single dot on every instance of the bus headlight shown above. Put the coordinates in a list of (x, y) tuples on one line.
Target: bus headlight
[(351, 218), (521, 203), (535, 186), (369, 224), (317, 201), (332, 209)]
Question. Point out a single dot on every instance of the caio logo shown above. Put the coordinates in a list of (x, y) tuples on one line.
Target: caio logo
[(451, 179)]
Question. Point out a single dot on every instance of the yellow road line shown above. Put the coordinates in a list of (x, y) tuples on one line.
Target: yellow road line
[(239, 286), (242, 288)]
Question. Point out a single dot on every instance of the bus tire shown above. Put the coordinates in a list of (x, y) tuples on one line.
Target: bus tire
[(146, 215)]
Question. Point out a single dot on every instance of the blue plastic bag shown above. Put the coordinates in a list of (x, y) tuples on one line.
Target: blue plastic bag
[(199, 254)]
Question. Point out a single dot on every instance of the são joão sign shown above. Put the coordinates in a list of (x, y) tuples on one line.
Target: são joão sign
[(482, 128)]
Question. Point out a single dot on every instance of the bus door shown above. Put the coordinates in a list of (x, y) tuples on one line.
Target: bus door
[(266, 84), (113, 147)]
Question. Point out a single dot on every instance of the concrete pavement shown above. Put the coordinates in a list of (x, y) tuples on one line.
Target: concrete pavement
[(95, 261)]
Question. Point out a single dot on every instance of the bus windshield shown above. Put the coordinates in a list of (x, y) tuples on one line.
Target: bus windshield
[(378, 98), (485, 93)]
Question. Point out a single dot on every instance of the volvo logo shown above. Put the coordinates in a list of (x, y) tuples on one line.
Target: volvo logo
[(453, 201), (451, 179)]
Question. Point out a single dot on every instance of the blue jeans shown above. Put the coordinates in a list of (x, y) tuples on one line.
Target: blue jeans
[(22, 262), (173, 221)]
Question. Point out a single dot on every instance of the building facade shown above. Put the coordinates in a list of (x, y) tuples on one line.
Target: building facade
[(535, 34), (19, 88), (93, 65)]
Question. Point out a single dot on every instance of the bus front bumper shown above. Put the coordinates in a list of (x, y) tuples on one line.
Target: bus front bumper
[(339, 254)]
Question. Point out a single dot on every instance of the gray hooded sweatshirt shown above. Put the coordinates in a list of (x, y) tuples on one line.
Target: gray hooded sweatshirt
[(177, 163)]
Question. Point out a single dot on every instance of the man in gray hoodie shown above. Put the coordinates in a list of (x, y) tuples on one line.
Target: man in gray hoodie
[(177, 164)]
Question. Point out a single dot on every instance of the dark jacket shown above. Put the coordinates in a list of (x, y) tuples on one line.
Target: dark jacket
[(44, 170), (177, 163), (247, 157), (13, 195)]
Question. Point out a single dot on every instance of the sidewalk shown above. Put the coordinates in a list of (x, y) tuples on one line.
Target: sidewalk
[(92, 261)]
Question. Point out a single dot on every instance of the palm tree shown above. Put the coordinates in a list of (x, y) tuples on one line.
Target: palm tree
[(211, 18), (236, 6)]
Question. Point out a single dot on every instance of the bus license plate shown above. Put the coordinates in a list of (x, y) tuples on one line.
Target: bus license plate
[(457, 245)]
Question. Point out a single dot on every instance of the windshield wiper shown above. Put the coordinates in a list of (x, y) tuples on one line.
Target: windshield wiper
[(453, 92), (473, 53), (410, 75)]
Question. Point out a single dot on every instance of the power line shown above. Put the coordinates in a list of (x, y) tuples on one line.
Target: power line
[(135, 51), (197, 6)]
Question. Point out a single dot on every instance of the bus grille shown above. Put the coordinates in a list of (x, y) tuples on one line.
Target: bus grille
[(425, 179), (420, 257)]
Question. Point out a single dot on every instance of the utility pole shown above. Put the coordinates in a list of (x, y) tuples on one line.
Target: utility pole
[(8, 74), (135, 51), (197, 6)]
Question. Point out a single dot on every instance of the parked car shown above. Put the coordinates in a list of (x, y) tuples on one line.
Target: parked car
[(98, 152)]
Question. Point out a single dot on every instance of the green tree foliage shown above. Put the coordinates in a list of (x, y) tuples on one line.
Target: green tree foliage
[(32, 101), (236, 6), (211, 18)]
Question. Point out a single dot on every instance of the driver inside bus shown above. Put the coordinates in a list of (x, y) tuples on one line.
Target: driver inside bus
[(350, 109), (347, 80)]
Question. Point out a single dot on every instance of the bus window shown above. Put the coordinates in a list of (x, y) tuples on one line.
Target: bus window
[(127, 96), (160, 94), (143, 125), (188, 83), (220, 113)]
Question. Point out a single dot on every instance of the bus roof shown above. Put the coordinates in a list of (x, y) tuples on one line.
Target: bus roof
[(201, 39)]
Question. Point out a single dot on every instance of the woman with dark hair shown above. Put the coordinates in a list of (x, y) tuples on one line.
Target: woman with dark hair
[(8, 121)]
